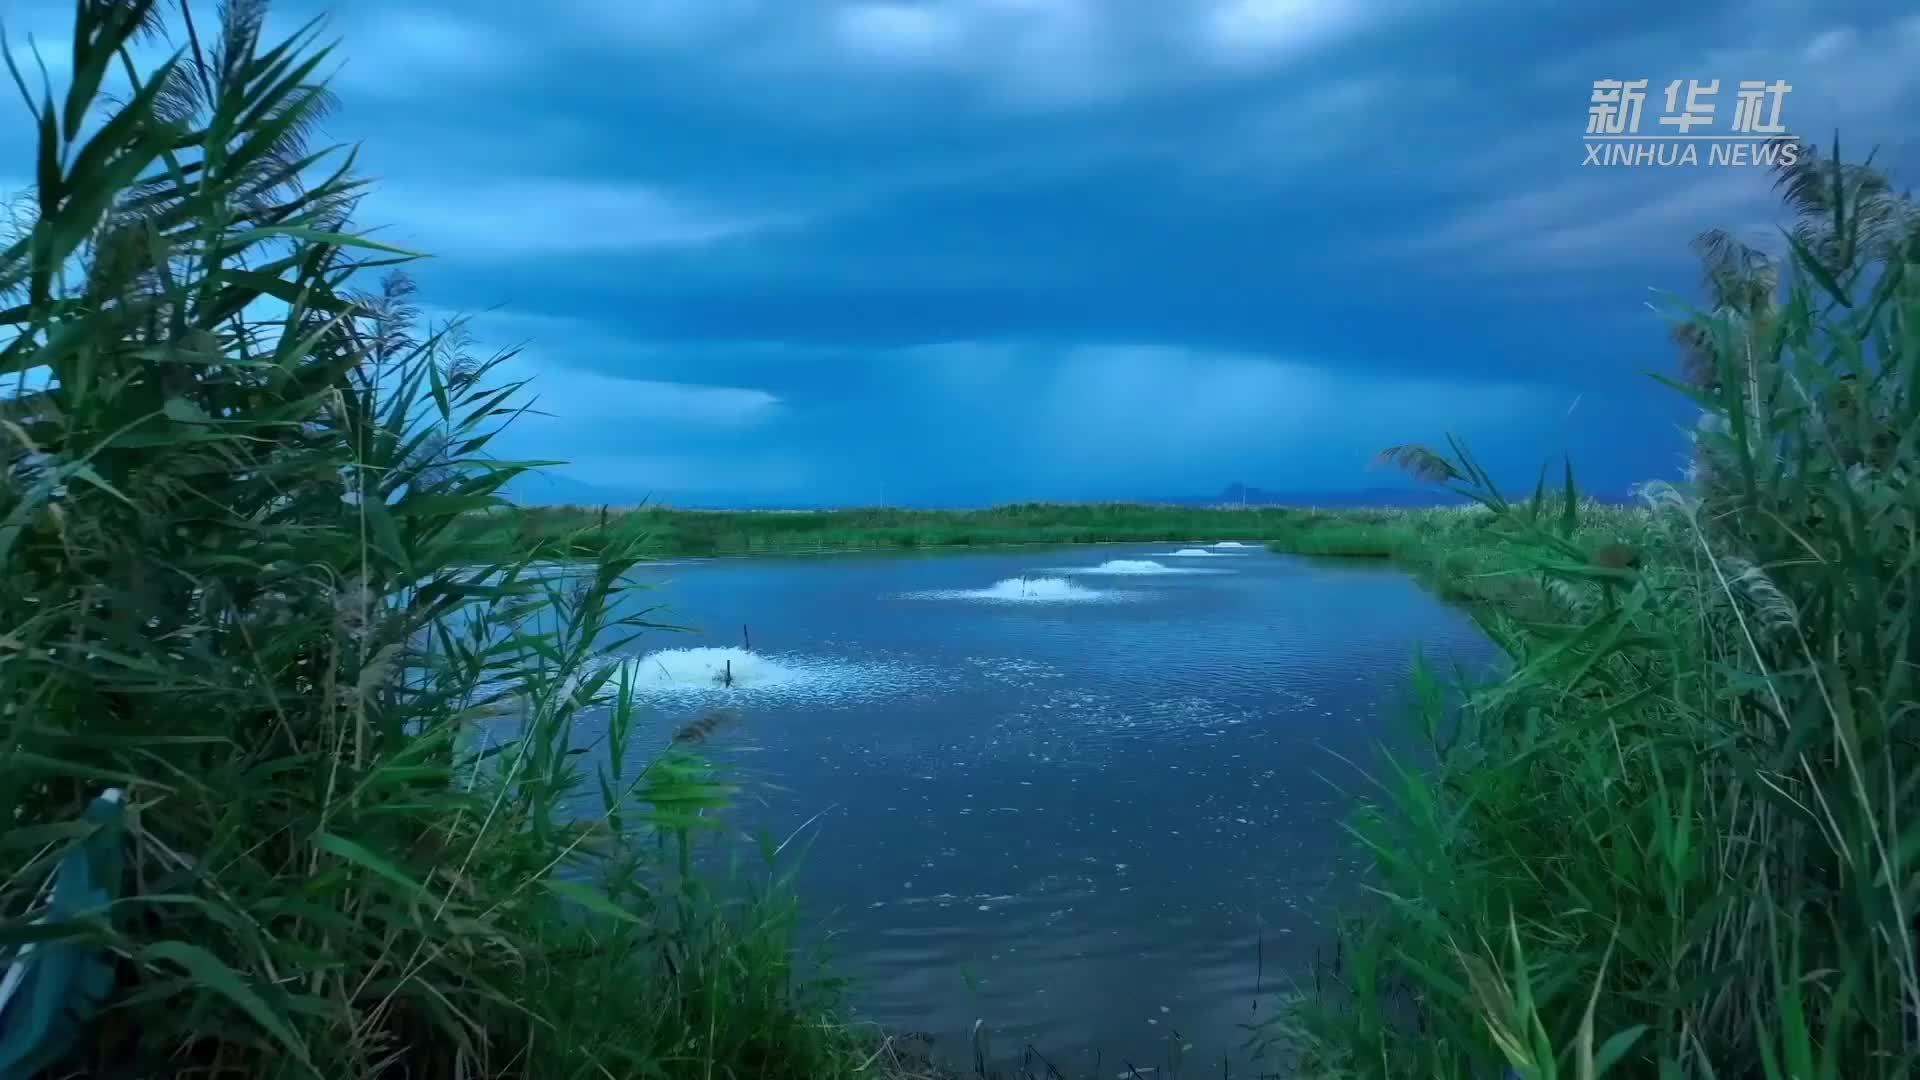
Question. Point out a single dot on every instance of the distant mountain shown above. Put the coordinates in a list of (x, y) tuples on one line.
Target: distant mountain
[(1242, 494), (545, 487), (1411, 497)]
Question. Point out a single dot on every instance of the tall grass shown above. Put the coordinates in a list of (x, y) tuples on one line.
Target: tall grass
[(1680, 839), (234, 585), (1466, 554)]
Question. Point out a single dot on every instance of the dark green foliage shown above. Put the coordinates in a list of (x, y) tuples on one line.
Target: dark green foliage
[(236, 581), (1679, 839)]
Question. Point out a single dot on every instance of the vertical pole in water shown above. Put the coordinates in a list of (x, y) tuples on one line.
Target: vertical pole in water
[(729, 672), (745, 637)]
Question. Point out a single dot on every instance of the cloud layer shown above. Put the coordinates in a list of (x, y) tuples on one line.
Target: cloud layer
[(969, 250)]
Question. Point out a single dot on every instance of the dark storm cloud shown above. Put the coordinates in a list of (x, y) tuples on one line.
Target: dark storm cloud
[(966, 250)]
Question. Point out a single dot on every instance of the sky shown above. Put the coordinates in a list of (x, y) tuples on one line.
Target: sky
[(962, 252)]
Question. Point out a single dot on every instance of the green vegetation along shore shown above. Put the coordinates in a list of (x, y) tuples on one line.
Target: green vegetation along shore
[(662, 531), (1467, 554), (1457, 550)]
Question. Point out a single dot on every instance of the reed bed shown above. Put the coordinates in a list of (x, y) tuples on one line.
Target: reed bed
[(1678, 839), (343, 836)]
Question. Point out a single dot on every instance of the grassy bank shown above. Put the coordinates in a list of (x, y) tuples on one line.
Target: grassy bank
[(667, 532), (1466, 554), (1678, 839)]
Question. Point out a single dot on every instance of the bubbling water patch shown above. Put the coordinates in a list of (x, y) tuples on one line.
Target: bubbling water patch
[(1134, 568), (1068, 722), (1231, 544), (710, 672), (704, 677), (1039, 590), (1193, 553)]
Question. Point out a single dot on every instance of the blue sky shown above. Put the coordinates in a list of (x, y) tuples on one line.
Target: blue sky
[(970, 251)]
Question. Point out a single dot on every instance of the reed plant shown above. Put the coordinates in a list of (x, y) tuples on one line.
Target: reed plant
[(1679, 838), (381, 814)]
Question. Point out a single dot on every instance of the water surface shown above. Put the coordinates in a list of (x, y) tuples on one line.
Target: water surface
[(1084, 794)]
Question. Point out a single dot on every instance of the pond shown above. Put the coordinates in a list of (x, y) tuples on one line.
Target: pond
[(1087, 795)]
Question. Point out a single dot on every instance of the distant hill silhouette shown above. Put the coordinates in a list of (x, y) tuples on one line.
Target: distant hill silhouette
[(546, 487), (1235, 494), (1412, 497)]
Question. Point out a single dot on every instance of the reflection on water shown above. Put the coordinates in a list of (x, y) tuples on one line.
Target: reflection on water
[(1092, 817)]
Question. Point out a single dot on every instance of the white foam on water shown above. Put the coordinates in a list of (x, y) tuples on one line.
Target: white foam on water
[(1231, 544), (1191, 553), (707, 674), (703, 676), (1133, 568), (1038, 590)]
